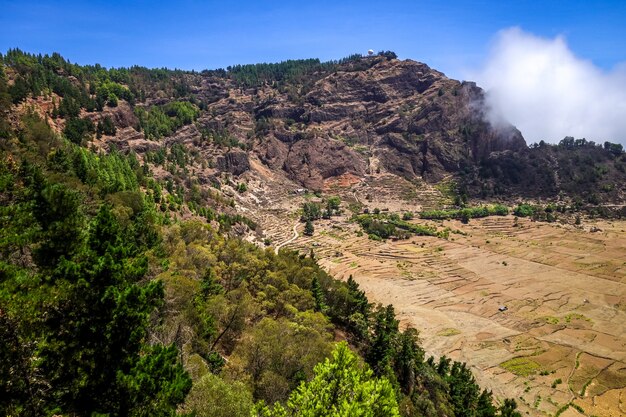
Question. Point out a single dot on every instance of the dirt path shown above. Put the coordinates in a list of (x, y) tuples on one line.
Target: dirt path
[(288, 241)]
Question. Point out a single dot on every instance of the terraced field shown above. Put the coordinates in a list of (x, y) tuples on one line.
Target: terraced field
[(562, 338)]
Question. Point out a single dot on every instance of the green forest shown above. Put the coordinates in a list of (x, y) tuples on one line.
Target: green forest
[(112, 305)]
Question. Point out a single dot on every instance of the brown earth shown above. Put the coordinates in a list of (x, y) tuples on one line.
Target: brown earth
[(564, 288)]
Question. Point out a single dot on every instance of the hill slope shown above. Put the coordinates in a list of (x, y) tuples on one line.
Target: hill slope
[(164, 172)]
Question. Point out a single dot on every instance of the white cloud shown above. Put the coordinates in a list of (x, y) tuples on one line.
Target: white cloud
[(548, 93)]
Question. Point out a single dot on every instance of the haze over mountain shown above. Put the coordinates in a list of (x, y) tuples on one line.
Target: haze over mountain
[(548, 92)]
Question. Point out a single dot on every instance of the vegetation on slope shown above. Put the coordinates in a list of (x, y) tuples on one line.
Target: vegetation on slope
[(76, 305), (466, 213), (586, 172), (161, 121), (389, 225), (108, 307)]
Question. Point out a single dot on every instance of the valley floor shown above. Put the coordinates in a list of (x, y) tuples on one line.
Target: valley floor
[(562, 337)]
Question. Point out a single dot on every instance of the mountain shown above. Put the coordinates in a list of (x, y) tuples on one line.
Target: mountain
[(367, 115), (326, 123), (136, 205)]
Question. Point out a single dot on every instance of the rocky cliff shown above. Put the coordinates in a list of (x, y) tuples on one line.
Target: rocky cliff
[(316, 124), (387, 115)]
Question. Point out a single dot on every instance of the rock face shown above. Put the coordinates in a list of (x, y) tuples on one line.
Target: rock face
[(235, 162), (311, 161), (413, 120), (363, 116)]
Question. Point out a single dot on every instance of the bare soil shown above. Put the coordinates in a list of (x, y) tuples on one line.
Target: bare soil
[(562, 338), (564, 288)]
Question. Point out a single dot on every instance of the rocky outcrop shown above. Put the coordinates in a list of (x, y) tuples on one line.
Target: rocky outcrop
[(413, 119), (327, 125), (311, 161), (235, 162)]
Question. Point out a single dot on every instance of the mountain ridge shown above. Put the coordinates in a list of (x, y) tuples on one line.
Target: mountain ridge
[(187, 167), (317, 123)]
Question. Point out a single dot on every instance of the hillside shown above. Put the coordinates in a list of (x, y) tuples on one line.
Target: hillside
[(137, 204)]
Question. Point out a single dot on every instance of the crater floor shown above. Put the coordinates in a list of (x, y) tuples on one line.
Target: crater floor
[(562, 338)]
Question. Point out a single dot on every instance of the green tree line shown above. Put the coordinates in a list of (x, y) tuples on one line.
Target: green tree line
[(107, 307)]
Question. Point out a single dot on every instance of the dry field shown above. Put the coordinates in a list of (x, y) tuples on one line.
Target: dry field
[(562, 339)]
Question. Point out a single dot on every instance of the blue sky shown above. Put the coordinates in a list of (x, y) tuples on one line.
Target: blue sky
[(450, 36)]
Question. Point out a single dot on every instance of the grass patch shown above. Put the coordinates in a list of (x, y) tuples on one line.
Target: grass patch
[(331, 235), (566, 406), (561, 410), (362, 149), (578, 408), (577, 360), (448, 190), (521, 366), (409, 194), (611, 378), (557, 382), (551, 319), (448, 332), (576, 316), (355, 207)]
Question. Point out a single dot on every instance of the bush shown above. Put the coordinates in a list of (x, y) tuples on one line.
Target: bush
[(78, 129), (341, 387), (160, 121), (524, 210), (212, 396), (112, 102), (465, 214), (107, 127), (308, 228), (390, 226), (311, 211)]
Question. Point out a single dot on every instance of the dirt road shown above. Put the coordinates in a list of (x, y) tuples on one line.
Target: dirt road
[(288, 241)]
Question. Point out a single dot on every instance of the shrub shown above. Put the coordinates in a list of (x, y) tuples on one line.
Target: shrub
[(78, 129), (106, 126), (524, 210), (465, 214), (308, 228), (311, 211)]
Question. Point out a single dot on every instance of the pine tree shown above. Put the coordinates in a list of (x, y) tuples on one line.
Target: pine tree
[(383, 340), (508, 408), (95, 328), (407, 360), (485, 407), (318, 295), (308, 228), (340, 388)]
